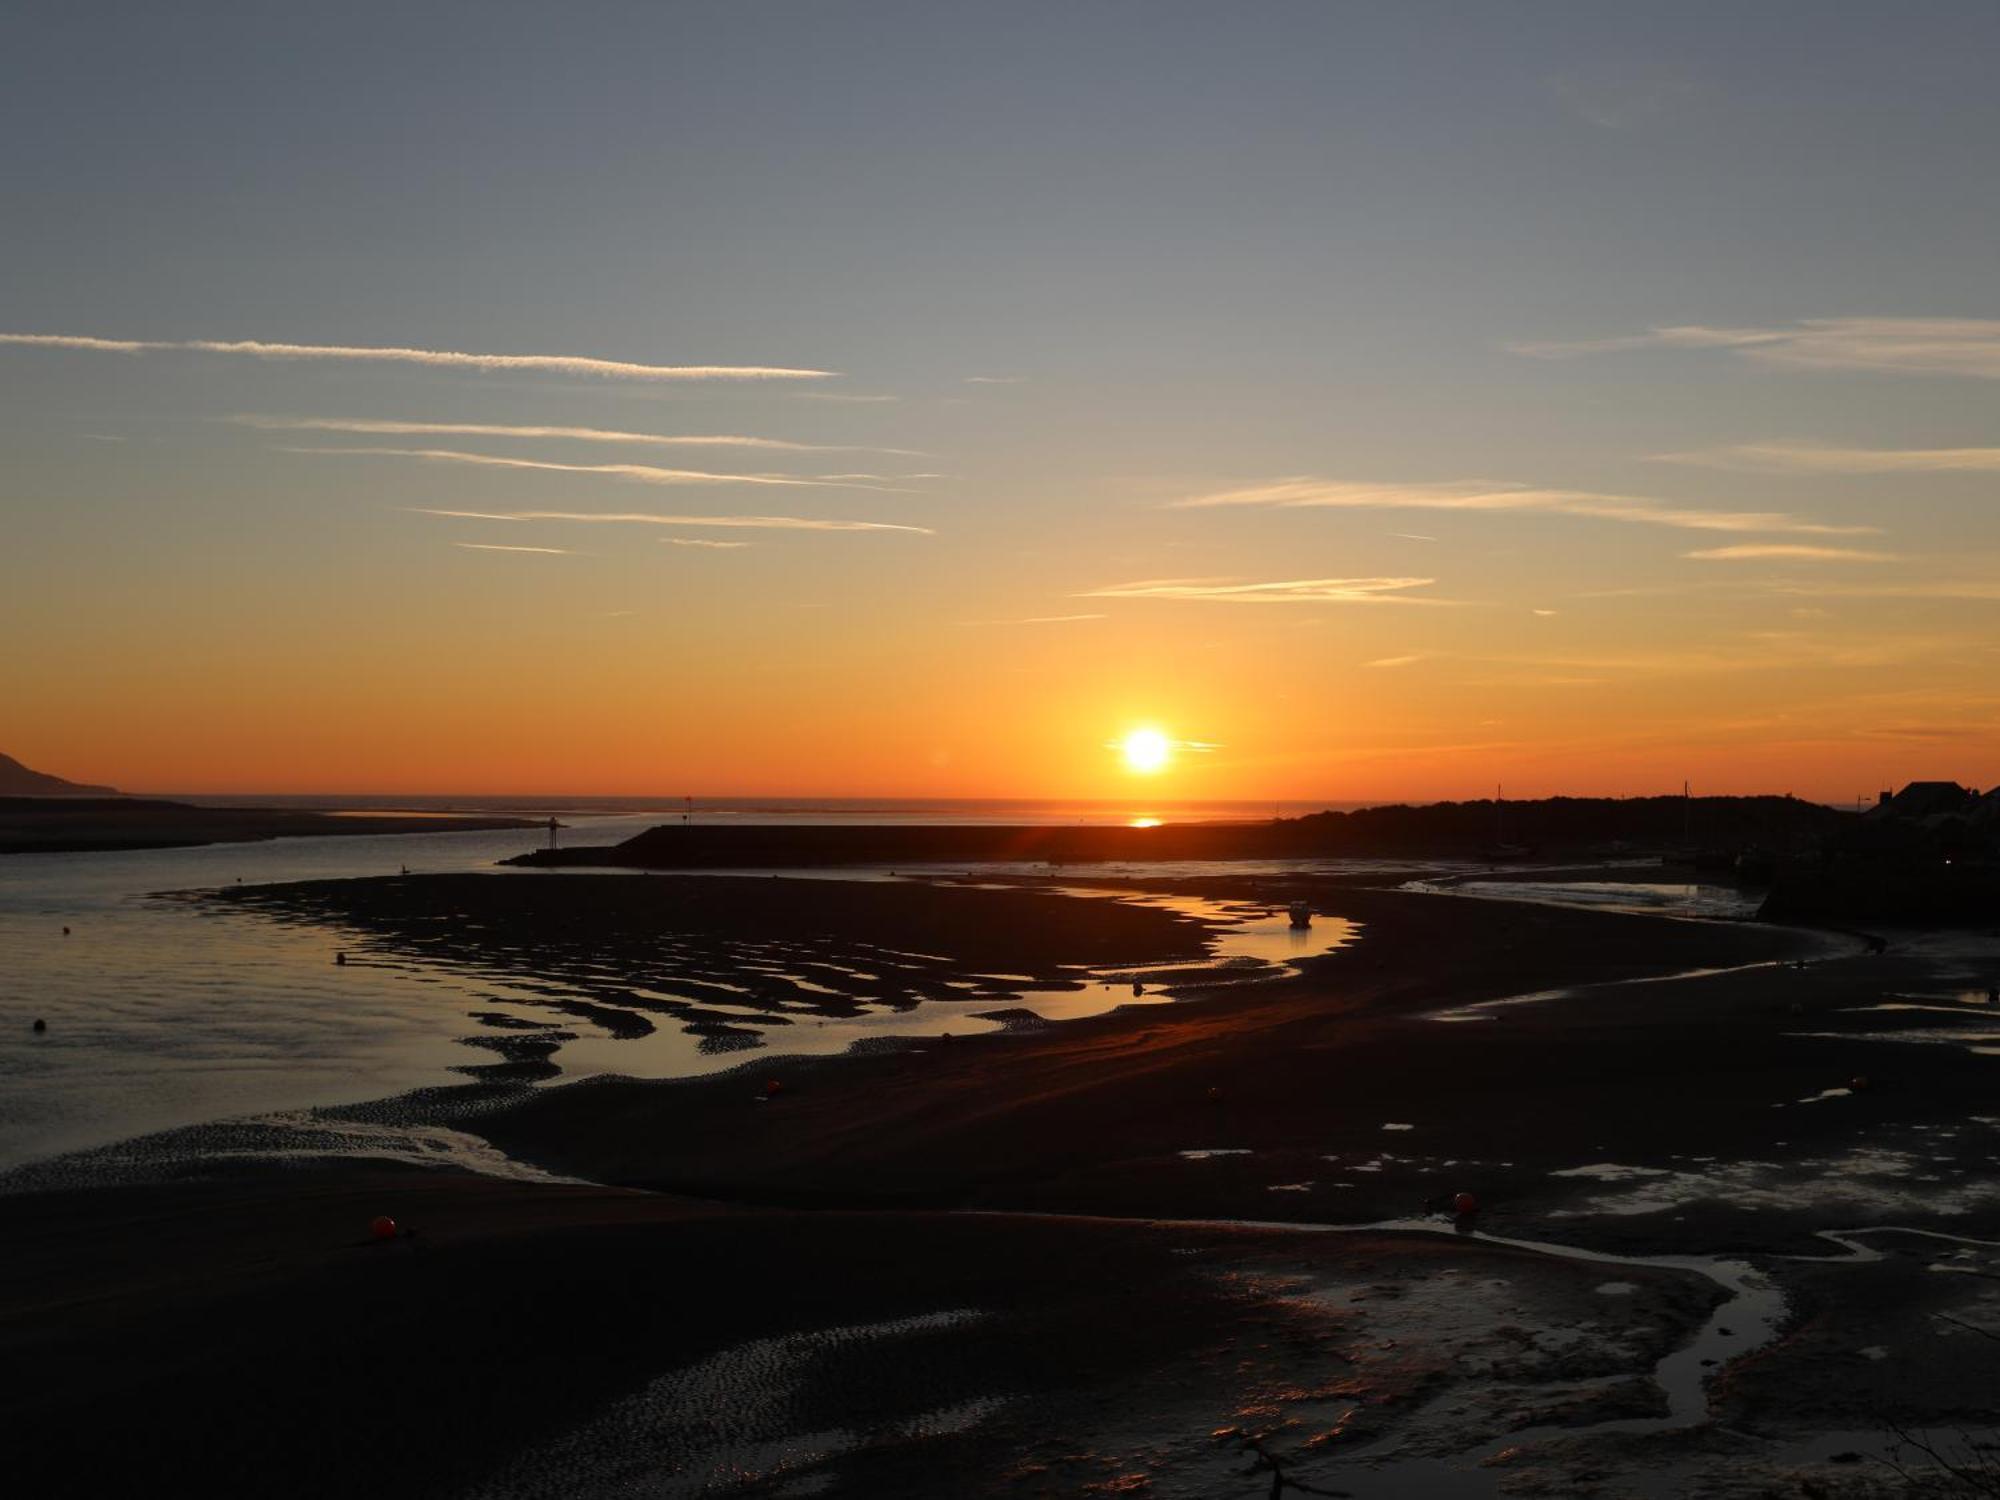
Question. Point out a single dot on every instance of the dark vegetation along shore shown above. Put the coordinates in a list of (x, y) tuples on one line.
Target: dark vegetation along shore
[(1927, 855), (75, 823)]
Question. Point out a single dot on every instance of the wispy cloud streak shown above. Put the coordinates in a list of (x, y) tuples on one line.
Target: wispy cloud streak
[(1819, 458), (1936, 588), (1472, 495), (696, 541), (647, 518), (1475, 495), (1794, 587), (388, 428), (639, 473), (866, 481), (497, 547), (1895, 346), (1789, 553), (1292, 591), (453, 359)]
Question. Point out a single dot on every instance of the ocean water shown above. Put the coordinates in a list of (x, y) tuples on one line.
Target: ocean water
[(781, 810), (164, 1011)]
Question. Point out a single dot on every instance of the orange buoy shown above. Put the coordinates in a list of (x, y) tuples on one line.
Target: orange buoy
[(1463, 1204), (382, 1227)]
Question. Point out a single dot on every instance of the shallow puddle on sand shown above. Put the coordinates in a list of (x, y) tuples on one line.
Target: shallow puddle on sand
[(1606, 1171), (164, 1011), (1645, 898), (1871, 1181), (1746, 1320), (1488, 1010), (1249, 942)]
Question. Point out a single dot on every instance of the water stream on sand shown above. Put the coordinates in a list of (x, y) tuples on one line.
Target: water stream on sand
[(1689, 899), (1487, 1010), (1748, 1319)]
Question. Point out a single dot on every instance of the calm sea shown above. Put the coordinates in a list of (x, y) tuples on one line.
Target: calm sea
[(797, 809)]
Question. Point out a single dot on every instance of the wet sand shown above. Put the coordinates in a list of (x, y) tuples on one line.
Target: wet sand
[(666, 921), (892, 1346), (738, 964), (552, 1340), (1091, 1115)]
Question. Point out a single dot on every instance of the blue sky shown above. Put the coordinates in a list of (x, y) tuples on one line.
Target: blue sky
[(1082, 264)]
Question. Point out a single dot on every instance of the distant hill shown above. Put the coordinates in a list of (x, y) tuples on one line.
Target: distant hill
[(1566, 827), (16, 780)]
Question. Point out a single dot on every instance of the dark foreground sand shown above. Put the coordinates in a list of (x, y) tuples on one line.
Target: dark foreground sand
[(840, 1328), (548, 1340)]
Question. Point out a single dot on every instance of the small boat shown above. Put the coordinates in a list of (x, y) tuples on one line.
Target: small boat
[(1301, 914)]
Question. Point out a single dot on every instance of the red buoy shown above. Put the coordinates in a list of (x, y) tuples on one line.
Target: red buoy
[(382, 1227), (1859, 1083), (1215, 1096), (773, 1088), (1463, 1204)]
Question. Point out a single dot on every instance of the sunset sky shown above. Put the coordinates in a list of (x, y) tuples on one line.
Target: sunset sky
[(914, 399)]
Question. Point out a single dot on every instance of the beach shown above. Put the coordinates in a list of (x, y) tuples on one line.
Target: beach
[(1078, 1253), (586, 1341), (883, 751)]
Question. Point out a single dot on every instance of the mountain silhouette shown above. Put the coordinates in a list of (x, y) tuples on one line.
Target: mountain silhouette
[(16, 780)]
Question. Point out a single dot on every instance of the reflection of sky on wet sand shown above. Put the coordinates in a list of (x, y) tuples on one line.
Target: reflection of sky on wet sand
[(1251, 942), (1647, 898), (1487, 1010), (164, 1013)]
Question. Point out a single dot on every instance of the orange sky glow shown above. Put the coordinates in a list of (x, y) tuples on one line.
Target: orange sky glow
[(649, 406)]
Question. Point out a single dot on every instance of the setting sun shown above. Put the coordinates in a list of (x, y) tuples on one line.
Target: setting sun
[(1146, 751), (1070, 500)]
